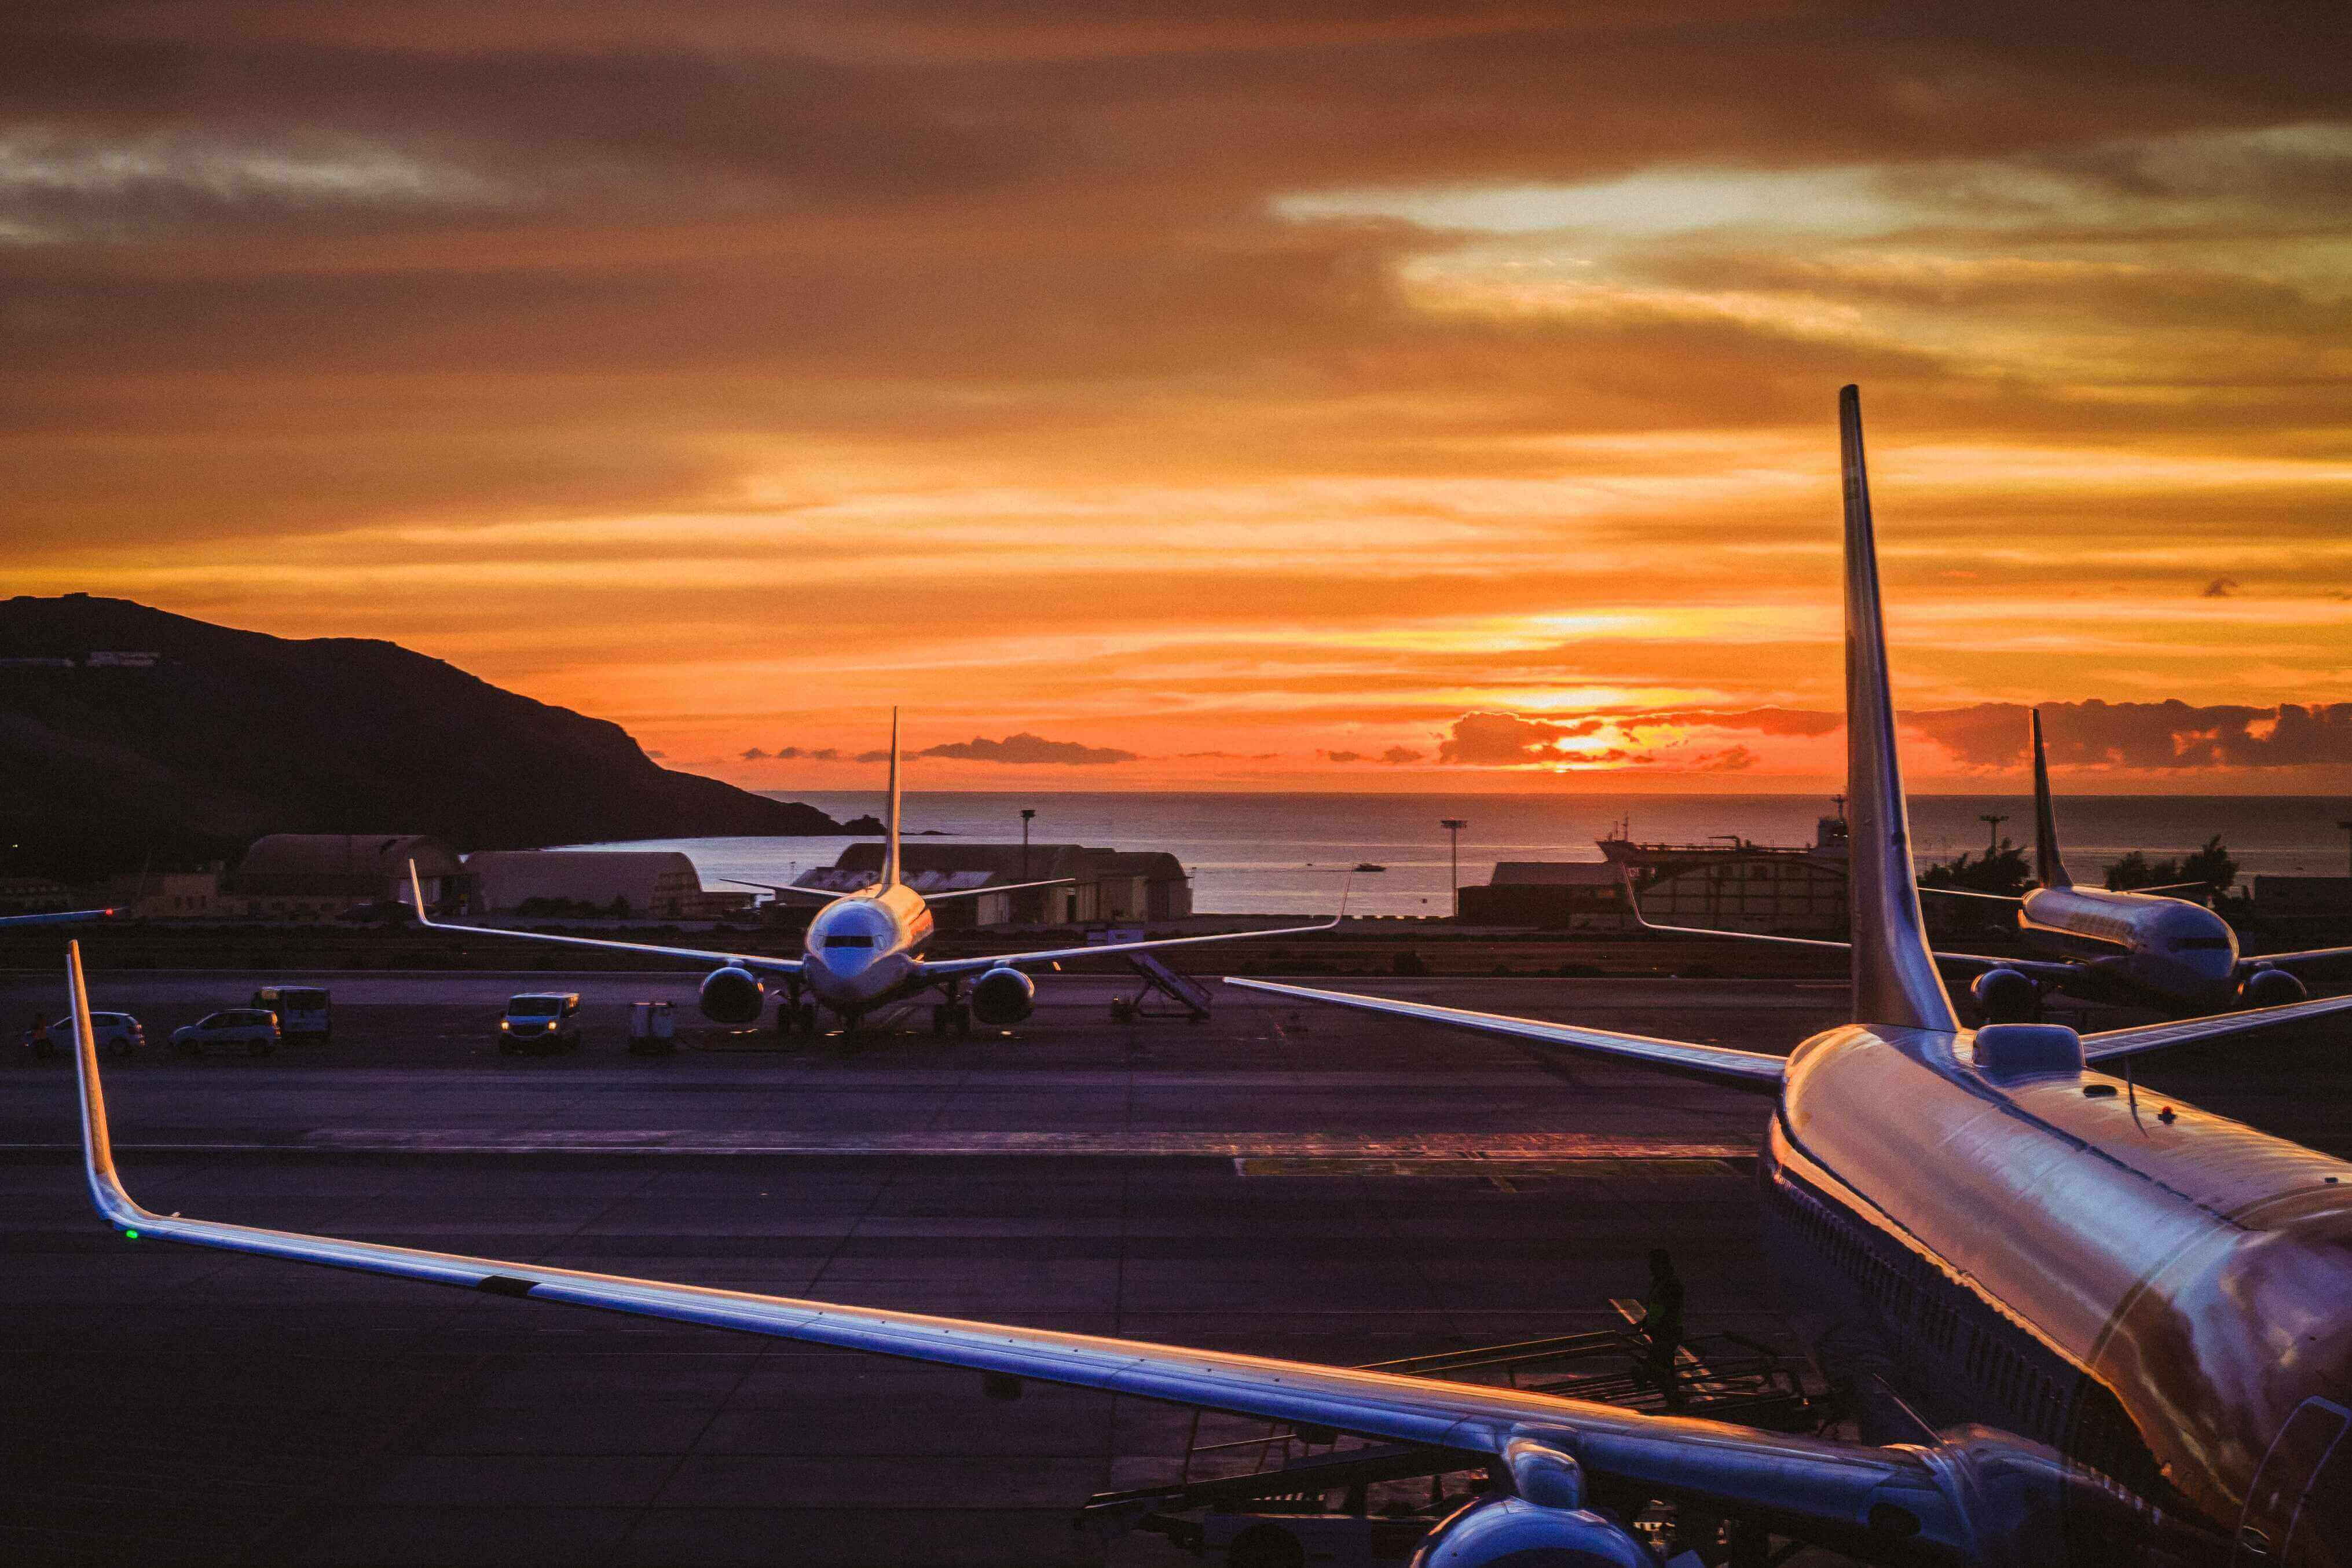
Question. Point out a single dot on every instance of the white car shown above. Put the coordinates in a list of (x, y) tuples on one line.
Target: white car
[(118, 1034), (254, 1028)]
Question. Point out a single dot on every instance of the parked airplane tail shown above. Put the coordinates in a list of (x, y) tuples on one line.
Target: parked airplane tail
[(1895, 978), (890, 872), (2048, 868)]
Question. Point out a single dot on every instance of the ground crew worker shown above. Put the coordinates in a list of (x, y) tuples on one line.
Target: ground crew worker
[(1662, 1325), (36, 1038)]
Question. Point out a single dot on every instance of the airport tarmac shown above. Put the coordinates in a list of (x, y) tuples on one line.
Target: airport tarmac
[(1297, 1182)]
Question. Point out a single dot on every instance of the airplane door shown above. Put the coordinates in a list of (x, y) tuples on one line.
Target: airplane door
[(2302, 1496)]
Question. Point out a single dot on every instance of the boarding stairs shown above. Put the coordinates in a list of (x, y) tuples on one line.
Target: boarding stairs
[(1190, 997)]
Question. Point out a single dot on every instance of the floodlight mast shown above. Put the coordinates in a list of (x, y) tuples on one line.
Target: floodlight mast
[(1453, 827)]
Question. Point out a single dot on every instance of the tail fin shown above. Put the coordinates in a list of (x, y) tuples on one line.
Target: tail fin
[(891, 849), (2048, 869), (1894, 979)]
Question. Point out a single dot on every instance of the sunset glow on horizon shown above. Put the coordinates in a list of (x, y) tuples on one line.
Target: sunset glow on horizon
[(1388, 399)]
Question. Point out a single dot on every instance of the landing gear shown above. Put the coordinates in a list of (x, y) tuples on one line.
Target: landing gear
[(955, 1015)]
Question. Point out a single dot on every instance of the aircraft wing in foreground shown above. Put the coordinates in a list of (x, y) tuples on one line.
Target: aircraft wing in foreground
[(1896, 1505)]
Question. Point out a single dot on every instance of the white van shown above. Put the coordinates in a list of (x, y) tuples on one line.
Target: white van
[(304, 1012)]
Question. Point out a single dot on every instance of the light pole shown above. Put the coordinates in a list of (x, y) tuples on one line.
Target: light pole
[(1027, 813), (1453, 827), (1992, 826)]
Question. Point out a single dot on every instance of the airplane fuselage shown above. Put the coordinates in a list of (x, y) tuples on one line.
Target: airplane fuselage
[(865, 951), (2146, 947), (2158, 1299)]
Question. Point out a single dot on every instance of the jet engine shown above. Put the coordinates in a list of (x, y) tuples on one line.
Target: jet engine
[(2005, 996), (732, 996), (2271, 988), (1003, 996), (1544, 1525)]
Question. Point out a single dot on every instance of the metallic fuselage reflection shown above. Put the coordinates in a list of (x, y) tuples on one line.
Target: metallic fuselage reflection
[(2158, 1297)]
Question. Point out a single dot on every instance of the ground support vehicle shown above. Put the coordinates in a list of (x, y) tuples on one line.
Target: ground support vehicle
[(539, 1023), (1251, 1495), (653, 1031), (305, 1013)]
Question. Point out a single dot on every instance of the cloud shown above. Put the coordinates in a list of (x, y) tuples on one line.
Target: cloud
[(1399, 333), (2152, 737), (1028, 750), (2221, 588), (751, 754), (1507, 740), (1401, 754)]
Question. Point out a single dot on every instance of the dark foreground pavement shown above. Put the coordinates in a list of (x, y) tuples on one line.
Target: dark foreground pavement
[(1196, 1183)]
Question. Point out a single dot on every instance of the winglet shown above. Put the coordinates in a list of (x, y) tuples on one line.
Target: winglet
[(416, 895), (891, 847), (1895, 978), (106, 1191), (2048, 868)]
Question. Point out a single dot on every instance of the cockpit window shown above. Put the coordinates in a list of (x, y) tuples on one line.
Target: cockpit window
[(846, 941), (2201, 944)]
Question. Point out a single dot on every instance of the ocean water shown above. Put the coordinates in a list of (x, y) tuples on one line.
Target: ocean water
[(1286, 854)]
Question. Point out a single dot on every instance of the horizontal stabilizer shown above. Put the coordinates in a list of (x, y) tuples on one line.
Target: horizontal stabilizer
[(1717, 1063)]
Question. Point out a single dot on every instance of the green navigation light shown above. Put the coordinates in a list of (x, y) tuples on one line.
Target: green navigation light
[(129, 1236)]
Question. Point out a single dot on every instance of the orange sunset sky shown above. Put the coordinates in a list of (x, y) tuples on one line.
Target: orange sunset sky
[(1432, 397)]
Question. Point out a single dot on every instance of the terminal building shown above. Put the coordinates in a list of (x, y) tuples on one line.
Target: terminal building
[(1104, 886), (319, 875), (616, 884)]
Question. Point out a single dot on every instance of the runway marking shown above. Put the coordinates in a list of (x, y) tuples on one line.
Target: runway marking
[(1501, 1173), (1514, 1150)]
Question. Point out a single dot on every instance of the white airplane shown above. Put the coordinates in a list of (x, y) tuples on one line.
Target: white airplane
[(863, 950), (58, 917), (2140, 1327), (2137, 947)]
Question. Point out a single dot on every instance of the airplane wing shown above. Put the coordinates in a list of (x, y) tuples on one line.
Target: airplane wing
[(1972, 893), (1901, 1505), (1001, 887), (1717, 1063), (2292, 961), (1966, 964), (55, 918), (1056, 954), (751, 960), (2110, 1044), (787, 891)]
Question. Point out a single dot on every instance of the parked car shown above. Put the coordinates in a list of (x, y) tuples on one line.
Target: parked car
[(254, 1028), (304, 1012), (541, 1021), (118, 1034)]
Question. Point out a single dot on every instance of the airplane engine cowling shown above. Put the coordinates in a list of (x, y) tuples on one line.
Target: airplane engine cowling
[(1003, 996), (2271, 988), (1509, 1530), (732, 996), (2005, 996)]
